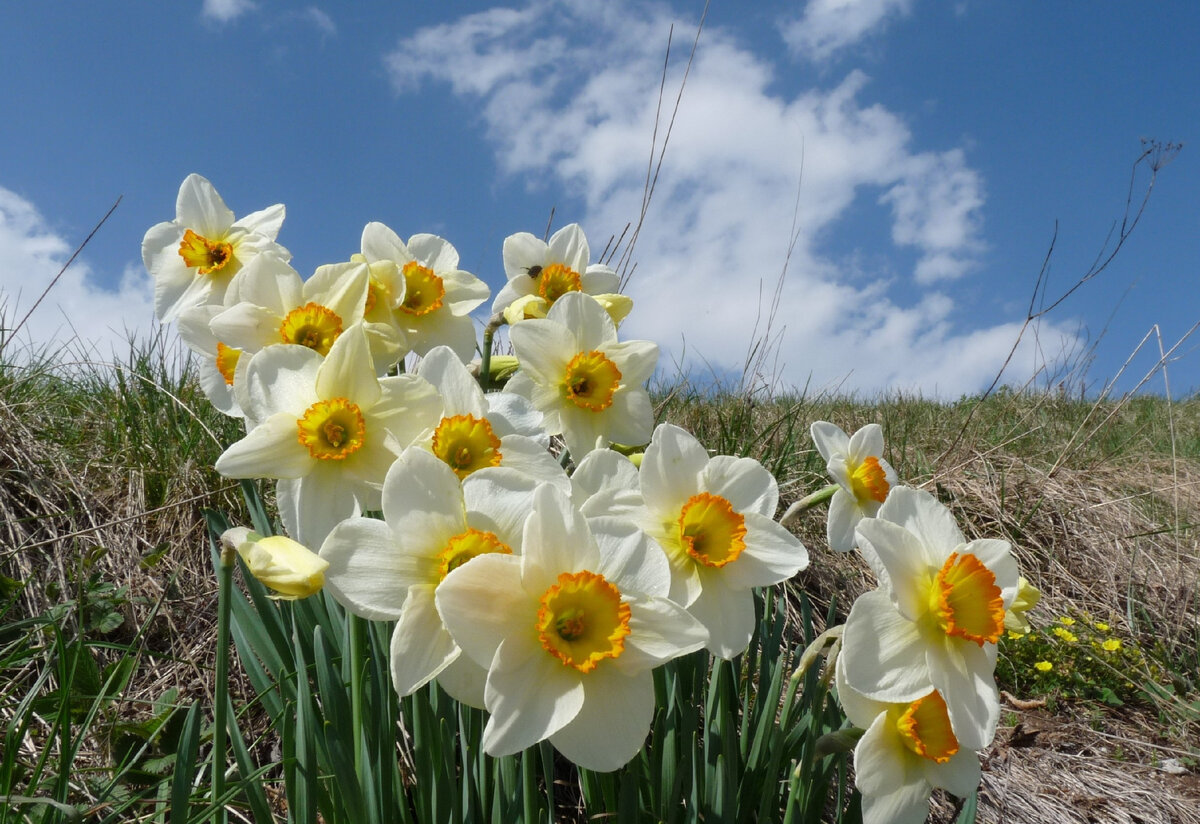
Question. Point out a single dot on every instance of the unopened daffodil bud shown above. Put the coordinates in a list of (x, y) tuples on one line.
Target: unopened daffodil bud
[(502, 367), (1027, 596), (290, 568), (617, 306), (526, 307)]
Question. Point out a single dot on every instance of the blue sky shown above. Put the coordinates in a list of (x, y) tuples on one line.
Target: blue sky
[(923, 151)]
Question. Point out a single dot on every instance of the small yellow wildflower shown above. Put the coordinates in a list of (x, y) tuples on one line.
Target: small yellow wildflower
[(1066, 621), (1111, 645), (1100, 625), (1065, 634), (1016, 636), (1043, 666)]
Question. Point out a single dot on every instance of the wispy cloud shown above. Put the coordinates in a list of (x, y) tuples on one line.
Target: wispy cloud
[(829, 26), (77, 313), (568, 91), (320, 19), (223, 11)]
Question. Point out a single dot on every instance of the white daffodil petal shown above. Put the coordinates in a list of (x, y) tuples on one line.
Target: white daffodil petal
[(727, 614), (511, 414), (460, 392), (498, 500), (521, 251), (464, 680), (200, 207), (280, 379), (958, 776), (628, 558), (270, 450), (434, 252), (962, 671), (659, 630), (744, 482), (606, 483), (900, 562), (381, 243), (556, 540), (421, 647), (586, 318), (844, 515), (903, 804), (830, 440), (866, 442), (540, 345), (880, 758), (530, 458), (884, 652), (599, 279), (348, 371), (861, 711), (569, 245), (322, 501), (772, 555), (530, 696), (481, 601), (266, 222), (422, 502), (613, 722), (921, 514), (366, 573), (671, 467)]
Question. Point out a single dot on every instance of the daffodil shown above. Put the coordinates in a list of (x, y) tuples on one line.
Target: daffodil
[(589, 386), (194, 257), (569, 632), (427, 296), (327, 428), (271, 305), (216, 361), (539, 273), (934, 621), (907, 750), (714, 518), (472, 435), (864, 478), (1015, 617), (290, 568), (390, 569)]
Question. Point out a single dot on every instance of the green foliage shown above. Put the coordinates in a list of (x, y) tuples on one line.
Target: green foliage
[(1078, 658)]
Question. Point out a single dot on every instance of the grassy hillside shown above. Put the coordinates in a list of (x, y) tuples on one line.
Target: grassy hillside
[(105, 468)]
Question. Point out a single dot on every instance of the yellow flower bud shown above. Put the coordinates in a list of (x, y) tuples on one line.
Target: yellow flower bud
[(291, 569), (1027, 596)]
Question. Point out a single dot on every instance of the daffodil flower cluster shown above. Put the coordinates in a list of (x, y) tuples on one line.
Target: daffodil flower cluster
[(917, 666), (544, 596)]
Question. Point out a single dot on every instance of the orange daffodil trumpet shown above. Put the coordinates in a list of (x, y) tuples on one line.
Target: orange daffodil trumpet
[(934, 621), (391, 569), (327, 428), (864, 478), (908, 749), (713, 518), (475, 432), (195, 257), (569, 632), (418, 289), (539, 273), (589, 386)]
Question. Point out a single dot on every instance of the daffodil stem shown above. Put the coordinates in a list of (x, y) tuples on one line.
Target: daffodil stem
[(806, 503), (221, 691), (357, 626), (485, 354)]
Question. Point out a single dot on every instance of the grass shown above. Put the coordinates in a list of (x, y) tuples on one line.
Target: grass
[(108, 597)]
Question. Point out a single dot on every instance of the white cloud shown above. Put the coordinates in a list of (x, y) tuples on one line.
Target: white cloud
[(223, 11), (76, 315), (320, 19), (567, 93), (828, 26)]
